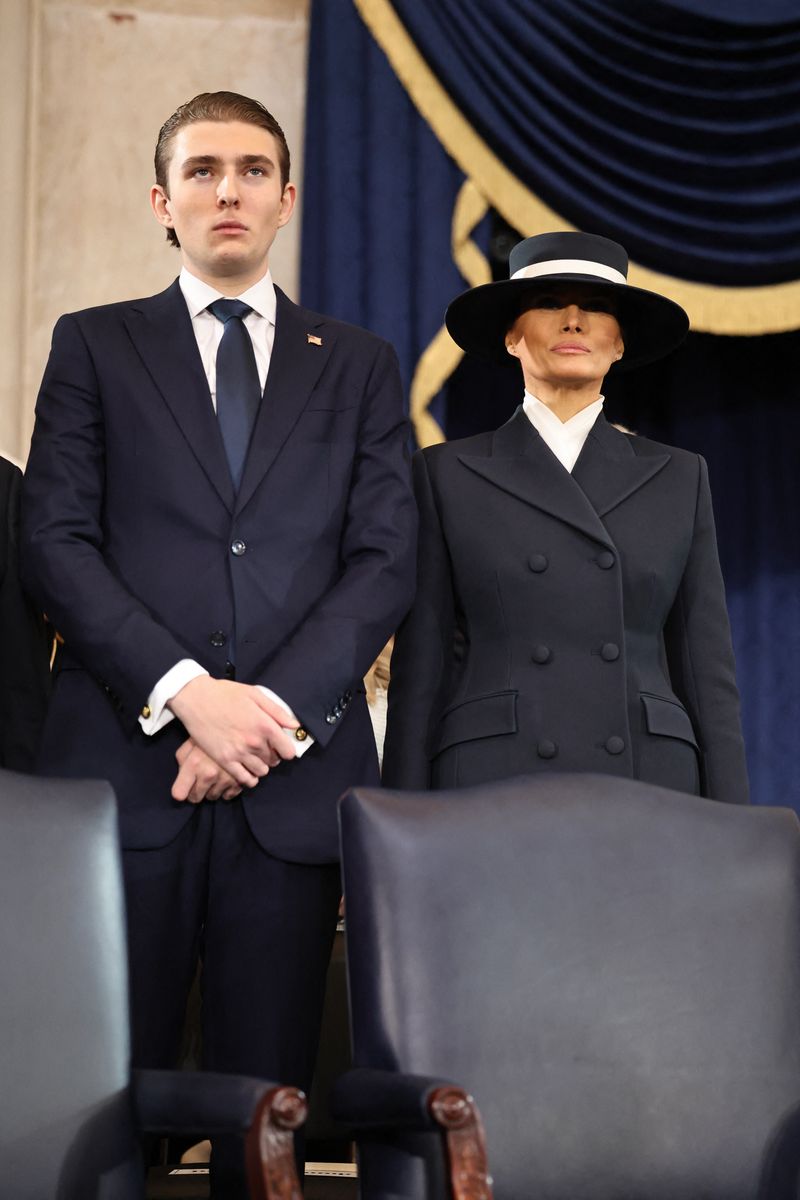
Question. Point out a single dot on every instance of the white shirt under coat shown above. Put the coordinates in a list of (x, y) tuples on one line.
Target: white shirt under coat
[(564, 438)]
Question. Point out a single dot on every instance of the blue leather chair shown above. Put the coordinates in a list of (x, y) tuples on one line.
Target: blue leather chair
[(70, 1112), (605, 974)]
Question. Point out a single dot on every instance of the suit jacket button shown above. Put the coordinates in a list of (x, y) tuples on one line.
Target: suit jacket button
[(230, 670), (330, 718), (300, 734), (538, 563), (605, 560), (146, 712), (238, 547), (546, 749), (541, 654), (615, 745), (609, 652), (217, 638)]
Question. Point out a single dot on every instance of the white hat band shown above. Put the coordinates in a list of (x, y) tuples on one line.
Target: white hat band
[(569, 266)]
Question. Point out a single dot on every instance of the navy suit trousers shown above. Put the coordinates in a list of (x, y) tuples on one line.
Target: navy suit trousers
[(263, 929)]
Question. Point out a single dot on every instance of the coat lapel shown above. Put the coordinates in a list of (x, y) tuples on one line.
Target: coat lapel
[(608, 469), (161, 330), (295, 365), (523, 465)]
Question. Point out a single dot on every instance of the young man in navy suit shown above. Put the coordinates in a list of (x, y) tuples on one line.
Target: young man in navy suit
[(223, 568)]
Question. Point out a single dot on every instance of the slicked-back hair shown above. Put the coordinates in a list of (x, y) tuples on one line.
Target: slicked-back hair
[(217, 106)]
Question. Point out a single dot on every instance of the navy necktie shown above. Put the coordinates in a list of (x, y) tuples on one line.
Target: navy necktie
[(238, 388)]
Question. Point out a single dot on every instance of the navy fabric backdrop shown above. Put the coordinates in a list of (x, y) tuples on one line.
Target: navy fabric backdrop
[(717, 200)]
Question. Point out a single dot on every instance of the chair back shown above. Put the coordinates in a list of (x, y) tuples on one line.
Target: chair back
[(610, 968), (66, 1127)]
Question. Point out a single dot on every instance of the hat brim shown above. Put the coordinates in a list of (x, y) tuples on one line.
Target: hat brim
[(652, 325)]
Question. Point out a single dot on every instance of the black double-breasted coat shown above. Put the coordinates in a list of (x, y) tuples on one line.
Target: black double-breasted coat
[(565, 622)]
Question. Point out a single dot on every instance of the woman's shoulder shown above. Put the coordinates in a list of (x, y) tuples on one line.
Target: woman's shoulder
[(442, 452), (645, 447)]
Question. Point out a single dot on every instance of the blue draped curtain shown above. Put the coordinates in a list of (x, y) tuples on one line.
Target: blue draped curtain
[(438, 133)]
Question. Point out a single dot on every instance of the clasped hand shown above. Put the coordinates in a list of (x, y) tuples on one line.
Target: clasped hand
[(236, 734)]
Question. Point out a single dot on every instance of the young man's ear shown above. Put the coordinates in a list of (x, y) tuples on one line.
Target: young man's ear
[(288, 200), (159, 202)]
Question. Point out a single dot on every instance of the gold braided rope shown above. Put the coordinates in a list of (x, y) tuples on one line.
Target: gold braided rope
[(721, 310)]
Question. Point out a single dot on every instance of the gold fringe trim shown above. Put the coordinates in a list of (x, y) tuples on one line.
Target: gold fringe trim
[(441, 357), (723, 310)]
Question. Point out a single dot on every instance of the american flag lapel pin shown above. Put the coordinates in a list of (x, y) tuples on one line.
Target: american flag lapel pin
[(313, 340)]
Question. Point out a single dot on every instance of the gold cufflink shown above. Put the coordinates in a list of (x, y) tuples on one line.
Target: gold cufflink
[(313, 340), (146, 713), (300, 734)]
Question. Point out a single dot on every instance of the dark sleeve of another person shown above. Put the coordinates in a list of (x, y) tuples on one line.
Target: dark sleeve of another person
[(24, 659)]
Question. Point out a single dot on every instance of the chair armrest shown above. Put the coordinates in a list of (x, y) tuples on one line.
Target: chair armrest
[(371, 1100), (266, 1114), (366, 1098)]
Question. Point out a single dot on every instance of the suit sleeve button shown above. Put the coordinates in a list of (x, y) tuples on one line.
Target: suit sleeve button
[(238, 547), (605, 560), (615, 745), (330, 718), (546, 749), (609, 652), (538, 563), (541, 654)]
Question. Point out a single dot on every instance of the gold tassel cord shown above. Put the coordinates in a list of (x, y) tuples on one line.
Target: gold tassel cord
[(441, 356)]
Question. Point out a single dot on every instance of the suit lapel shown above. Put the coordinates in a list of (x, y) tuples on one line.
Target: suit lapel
[(295, 365), (161, 330), (523, 465), (608, 470)]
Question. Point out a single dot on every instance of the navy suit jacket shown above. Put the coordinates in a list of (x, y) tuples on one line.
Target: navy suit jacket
[(129, 519), (565, 622)]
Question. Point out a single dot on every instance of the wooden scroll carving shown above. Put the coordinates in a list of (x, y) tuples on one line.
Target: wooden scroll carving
[(269, 1146), (457, 1114)]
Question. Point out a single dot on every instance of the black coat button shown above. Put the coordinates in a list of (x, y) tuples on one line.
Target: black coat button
[(609, 652), (238, 547), (615, 745), (538, 562), (230, 670), (218, 638), (546, 749), (605, 559), (541, 654)]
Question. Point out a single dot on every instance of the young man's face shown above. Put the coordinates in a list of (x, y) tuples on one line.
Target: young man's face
[(225, 201)]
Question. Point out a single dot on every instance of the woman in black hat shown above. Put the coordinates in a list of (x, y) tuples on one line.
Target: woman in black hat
[(570, 612)]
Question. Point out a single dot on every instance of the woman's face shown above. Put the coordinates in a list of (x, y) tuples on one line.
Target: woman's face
[(567, 337)]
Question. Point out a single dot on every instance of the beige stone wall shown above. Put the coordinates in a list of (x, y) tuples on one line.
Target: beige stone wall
[(85, 86)]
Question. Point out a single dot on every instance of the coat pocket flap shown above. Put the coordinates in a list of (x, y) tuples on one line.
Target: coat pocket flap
[(667, 718), (483, 716)]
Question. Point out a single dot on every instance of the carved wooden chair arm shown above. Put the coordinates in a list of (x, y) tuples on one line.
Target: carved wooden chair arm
[(207, 1103), (372, 1100)]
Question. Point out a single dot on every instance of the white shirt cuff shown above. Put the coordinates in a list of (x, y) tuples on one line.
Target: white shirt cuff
[(299, 747), (167, 687)]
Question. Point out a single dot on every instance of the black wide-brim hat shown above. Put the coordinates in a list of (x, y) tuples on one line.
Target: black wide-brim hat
[(652, 325)]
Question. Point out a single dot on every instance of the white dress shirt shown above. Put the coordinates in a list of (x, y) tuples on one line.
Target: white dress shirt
[(564, 438), (208, 330)]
